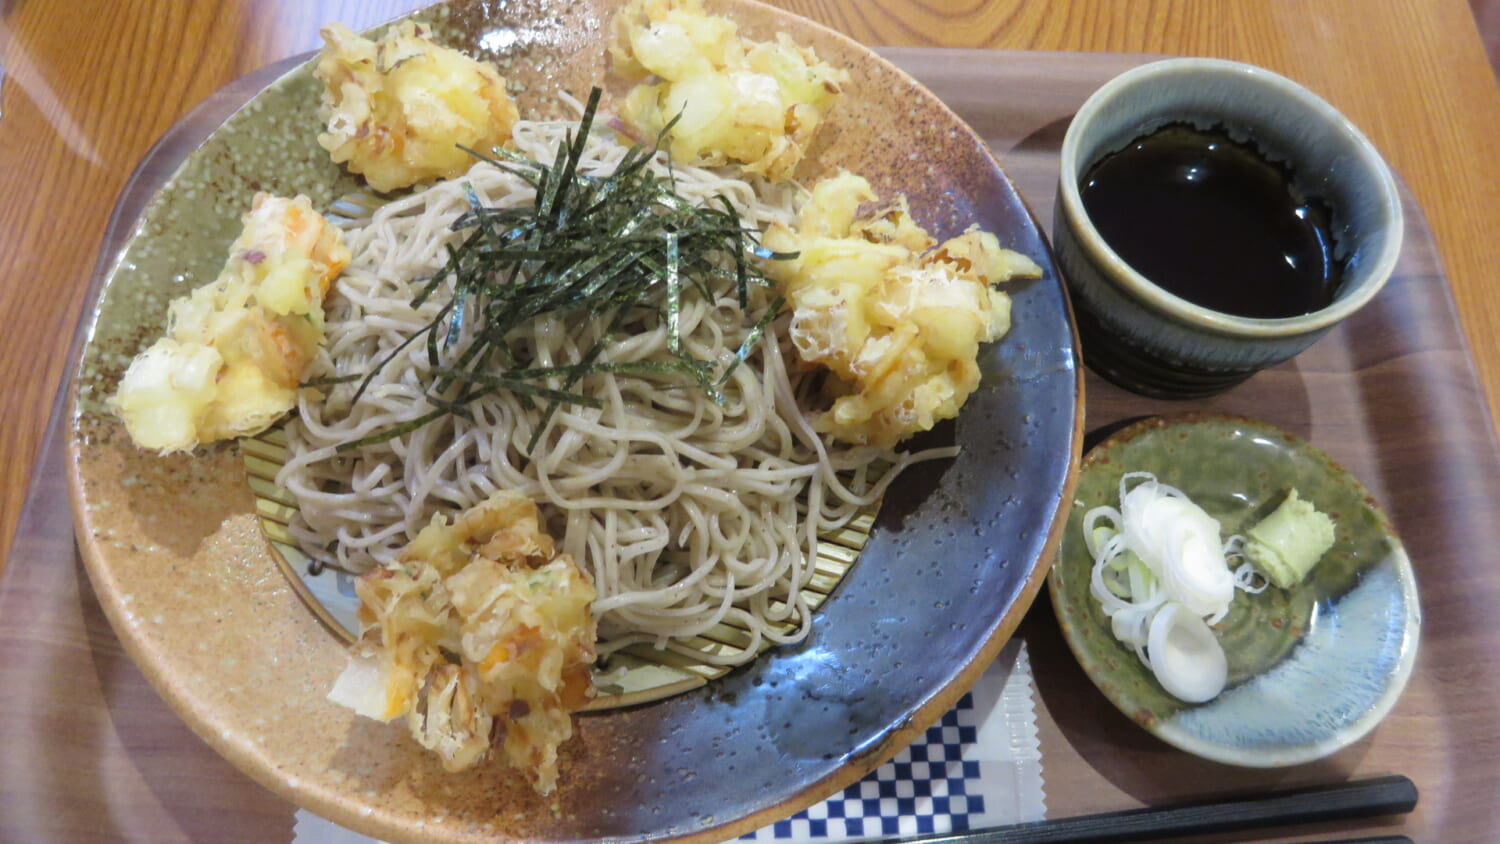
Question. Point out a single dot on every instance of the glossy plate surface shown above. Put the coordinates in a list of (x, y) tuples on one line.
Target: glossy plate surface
[(177, 557), (1311, 670)]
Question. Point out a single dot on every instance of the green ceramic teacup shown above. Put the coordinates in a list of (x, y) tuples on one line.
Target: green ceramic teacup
[(1148, 340)]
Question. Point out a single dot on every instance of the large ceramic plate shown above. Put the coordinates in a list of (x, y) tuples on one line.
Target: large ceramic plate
[(182, 569)]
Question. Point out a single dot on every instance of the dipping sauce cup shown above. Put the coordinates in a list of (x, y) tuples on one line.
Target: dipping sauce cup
[(1148, 339)]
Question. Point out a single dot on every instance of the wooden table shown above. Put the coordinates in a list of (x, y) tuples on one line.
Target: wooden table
[(90, 85)]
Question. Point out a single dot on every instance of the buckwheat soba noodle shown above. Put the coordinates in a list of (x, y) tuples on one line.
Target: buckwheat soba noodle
[(687, 512)]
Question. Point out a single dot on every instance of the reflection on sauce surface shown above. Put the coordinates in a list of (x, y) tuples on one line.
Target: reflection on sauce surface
[(1211, 220)]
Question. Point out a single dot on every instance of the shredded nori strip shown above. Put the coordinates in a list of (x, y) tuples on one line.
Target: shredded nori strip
[(592, 248)]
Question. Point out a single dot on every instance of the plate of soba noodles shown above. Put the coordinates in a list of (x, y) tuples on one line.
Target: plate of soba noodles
[(630, 419)]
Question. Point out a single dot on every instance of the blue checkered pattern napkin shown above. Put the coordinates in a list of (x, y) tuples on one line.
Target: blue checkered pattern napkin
[(979, 766)]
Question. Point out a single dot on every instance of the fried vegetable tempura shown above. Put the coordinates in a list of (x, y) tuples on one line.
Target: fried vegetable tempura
[(398, 109), (479, 624), (897, 321), (236, 349), (757, 104)]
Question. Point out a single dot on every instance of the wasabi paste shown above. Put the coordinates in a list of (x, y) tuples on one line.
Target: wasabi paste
[(1288, 543)]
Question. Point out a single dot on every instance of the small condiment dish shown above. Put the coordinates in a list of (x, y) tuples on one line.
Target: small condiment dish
[(1151, 341), (1312, 669)]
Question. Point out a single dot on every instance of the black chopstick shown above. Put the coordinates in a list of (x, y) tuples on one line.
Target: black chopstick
[(1366, 798)]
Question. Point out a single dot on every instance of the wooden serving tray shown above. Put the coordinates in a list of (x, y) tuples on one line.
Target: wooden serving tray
[(1391, 394)]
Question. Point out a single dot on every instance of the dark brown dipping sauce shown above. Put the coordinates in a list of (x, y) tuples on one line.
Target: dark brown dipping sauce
[(1211, 220)]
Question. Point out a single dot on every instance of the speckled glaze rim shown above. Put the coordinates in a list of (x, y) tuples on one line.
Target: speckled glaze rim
[(1159, 72), (1165, 729), (347, 810)]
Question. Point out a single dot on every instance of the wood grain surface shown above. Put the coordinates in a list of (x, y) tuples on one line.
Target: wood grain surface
[(90, 85)]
